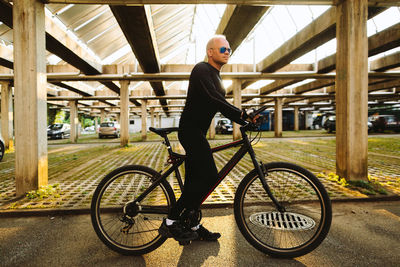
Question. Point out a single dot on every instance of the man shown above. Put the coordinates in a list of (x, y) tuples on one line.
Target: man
[(205, 97)]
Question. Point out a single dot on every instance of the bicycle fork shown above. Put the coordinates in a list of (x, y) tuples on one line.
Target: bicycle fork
[(262, 172)]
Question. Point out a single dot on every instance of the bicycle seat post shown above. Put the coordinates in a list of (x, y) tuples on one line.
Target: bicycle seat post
[(167, 144)]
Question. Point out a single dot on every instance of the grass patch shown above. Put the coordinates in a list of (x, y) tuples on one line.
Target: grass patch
[(367, 187), (47, 191), (370, 187), (384, 145)]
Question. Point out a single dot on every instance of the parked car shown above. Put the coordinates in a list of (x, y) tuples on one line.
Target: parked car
[(89, 130), (110, 128), (330, 124), (2, 148), (224, 126), (58, 131), (385, 122)]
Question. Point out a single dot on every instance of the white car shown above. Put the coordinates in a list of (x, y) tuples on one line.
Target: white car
[(2, 148)]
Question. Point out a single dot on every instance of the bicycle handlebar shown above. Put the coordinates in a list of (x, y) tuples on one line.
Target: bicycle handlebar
[(258, 111), (250, 125)]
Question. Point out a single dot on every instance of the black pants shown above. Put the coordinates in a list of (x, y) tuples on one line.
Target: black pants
[(201, 174)]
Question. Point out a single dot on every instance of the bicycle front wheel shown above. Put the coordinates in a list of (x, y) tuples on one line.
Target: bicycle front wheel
[(125, 226), (300, 228)]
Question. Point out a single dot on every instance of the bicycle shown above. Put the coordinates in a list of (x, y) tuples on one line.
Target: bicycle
[(280, 208)]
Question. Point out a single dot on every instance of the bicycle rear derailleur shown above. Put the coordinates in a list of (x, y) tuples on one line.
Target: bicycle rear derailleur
[(130, 210)]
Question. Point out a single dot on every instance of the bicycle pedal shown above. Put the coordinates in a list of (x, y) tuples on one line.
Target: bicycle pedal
[(185, 243)]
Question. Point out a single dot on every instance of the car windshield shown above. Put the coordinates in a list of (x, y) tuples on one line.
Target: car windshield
[(107, 124), (390, 119), (55, 127)]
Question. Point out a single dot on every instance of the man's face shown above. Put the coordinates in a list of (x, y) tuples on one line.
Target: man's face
[(215, 52)]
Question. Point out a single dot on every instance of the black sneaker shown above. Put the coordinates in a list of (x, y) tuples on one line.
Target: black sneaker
[(205, 235), (177, 231)]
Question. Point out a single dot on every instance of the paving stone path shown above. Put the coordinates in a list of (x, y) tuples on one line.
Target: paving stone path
[(75, 170)]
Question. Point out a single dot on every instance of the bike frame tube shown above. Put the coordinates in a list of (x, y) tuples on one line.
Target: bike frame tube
[(228, 166), (180, 159), (245, 147), (174, 167)]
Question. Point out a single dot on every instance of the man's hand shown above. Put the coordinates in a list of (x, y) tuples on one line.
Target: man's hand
[(249, 116)]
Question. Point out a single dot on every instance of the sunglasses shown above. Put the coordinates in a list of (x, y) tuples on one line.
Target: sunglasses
[(223, 49)]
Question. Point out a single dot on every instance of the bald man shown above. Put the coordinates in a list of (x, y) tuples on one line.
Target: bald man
[(205, 97)]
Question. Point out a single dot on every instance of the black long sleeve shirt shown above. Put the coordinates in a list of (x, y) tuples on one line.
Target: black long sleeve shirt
[(206, 96)]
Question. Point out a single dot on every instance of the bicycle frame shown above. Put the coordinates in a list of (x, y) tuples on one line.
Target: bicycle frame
[(177, 159)]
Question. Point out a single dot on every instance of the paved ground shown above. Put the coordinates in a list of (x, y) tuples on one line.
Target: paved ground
[(76, 169), (362, 234)]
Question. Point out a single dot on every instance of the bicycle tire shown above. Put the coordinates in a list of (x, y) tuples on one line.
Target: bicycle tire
[(115, 225), (295, 232)]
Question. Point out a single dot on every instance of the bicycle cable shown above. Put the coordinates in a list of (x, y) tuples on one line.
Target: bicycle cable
[(258, 134)]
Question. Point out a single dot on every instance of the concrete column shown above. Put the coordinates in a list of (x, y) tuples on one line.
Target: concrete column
[(296, 118), (95, 124), (352, 90), (7, 115), (159, 121), (211, 131), (31, 162), (144, 120), (102, 115), (278, 117), (237, 102), (73, 118), (152, 117), (124, 118)]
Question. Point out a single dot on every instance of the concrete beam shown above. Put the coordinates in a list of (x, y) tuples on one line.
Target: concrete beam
[(377, 43), (237, 22), (59, 48), (385, 85), (6, 63), (313, 86), (232, 2), (272, 87), (72, 89), (10, 65), (386, 63), (321, 30), (137, 26)]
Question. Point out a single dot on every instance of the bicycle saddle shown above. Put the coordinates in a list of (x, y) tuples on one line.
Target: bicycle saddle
[(163, 131)]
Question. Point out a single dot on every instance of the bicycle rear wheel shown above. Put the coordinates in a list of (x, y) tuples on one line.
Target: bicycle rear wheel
[(300, 228), (126, 227)]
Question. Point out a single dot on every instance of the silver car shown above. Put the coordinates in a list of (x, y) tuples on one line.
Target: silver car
[(110, 128), (2, 148)]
